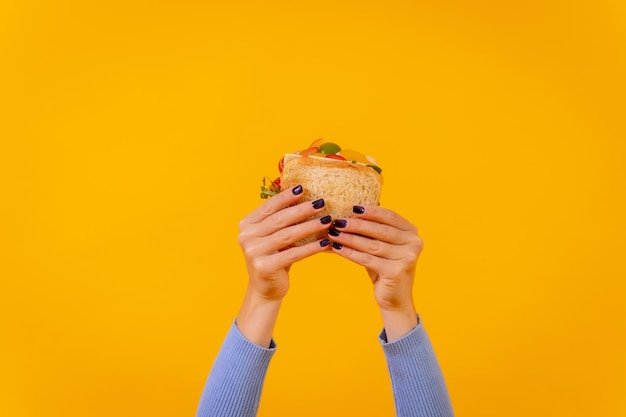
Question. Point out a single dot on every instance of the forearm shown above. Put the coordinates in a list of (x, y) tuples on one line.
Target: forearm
[(233, 388), (418, 384), (257, 317)]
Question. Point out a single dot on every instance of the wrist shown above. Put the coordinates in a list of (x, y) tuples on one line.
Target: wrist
[(260, 297), (257, 317), (398, 322), (266, 289)]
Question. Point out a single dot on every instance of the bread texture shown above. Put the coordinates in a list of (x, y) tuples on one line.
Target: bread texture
[(342, 185)]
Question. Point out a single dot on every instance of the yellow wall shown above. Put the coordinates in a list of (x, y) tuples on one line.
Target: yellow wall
[(134, 136)]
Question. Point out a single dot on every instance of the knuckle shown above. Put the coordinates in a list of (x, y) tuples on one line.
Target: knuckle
[(248, 251), (383, 232), (259, 264), (243, 237), (291, 256), (411, 258), (399, 268), (279, 220), (283, 237), (418, 243), (367, 260), (266, 210), (374, 247), (304, 211)]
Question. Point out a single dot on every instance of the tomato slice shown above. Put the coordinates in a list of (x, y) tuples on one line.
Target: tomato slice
[(335, 156), (309, 151), (316, 143), (281, 164)]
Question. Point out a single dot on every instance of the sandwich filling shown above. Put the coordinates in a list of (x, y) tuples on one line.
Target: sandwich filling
[(322, 152)]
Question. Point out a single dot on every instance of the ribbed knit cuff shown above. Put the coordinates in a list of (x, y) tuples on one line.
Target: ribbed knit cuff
[(418, 384), (240, 338), (234, 386)]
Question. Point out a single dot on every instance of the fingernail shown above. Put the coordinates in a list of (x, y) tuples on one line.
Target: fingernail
[(297, 190), (334, 232), (324, 243), (358, 209), (325, 220), (318, 204), (337, 245), (340, 223)]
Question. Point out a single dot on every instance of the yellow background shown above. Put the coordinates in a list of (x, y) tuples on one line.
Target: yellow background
[(134, 136)]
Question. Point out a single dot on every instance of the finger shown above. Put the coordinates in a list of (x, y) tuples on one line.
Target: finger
[(294, 254), (374, 230), (385, 216), (283, 199), (371, 262), (367, 245), (287, 217), (287, 236)]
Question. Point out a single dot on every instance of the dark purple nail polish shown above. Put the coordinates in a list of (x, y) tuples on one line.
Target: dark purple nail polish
[(358, 209), (325, 220), (334, 232), (318, 204), (340, 223), (324, 243), (297, 190), (337, 245)]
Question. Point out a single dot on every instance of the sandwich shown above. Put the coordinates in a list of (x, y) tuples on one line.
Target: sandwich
[(342, 177)]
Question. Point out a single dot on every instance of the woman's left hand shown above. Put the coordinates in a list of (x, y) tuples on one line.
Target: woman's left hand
[(388, 246)]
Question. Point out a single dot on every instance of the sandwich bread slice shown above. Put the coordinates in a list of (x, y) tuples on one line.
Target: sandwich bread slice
[(343, 181)]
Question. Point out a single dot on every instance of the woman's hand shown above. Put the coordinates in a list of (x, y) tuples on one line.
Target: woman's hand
[(266, 237), (388, 246)]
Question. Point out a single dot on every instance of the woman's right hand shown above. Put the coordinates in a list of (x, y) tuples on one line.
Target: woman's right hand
[(267, 235)]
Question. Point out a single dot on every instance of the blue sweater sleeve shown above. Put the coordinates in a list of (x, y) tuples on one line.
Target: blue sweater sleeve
[(419, 389), (234, 386)]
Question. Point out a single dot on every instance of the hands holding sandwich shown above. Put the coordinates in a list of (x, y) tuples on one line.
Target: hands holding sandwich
[(379, 239), (326, 199)]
